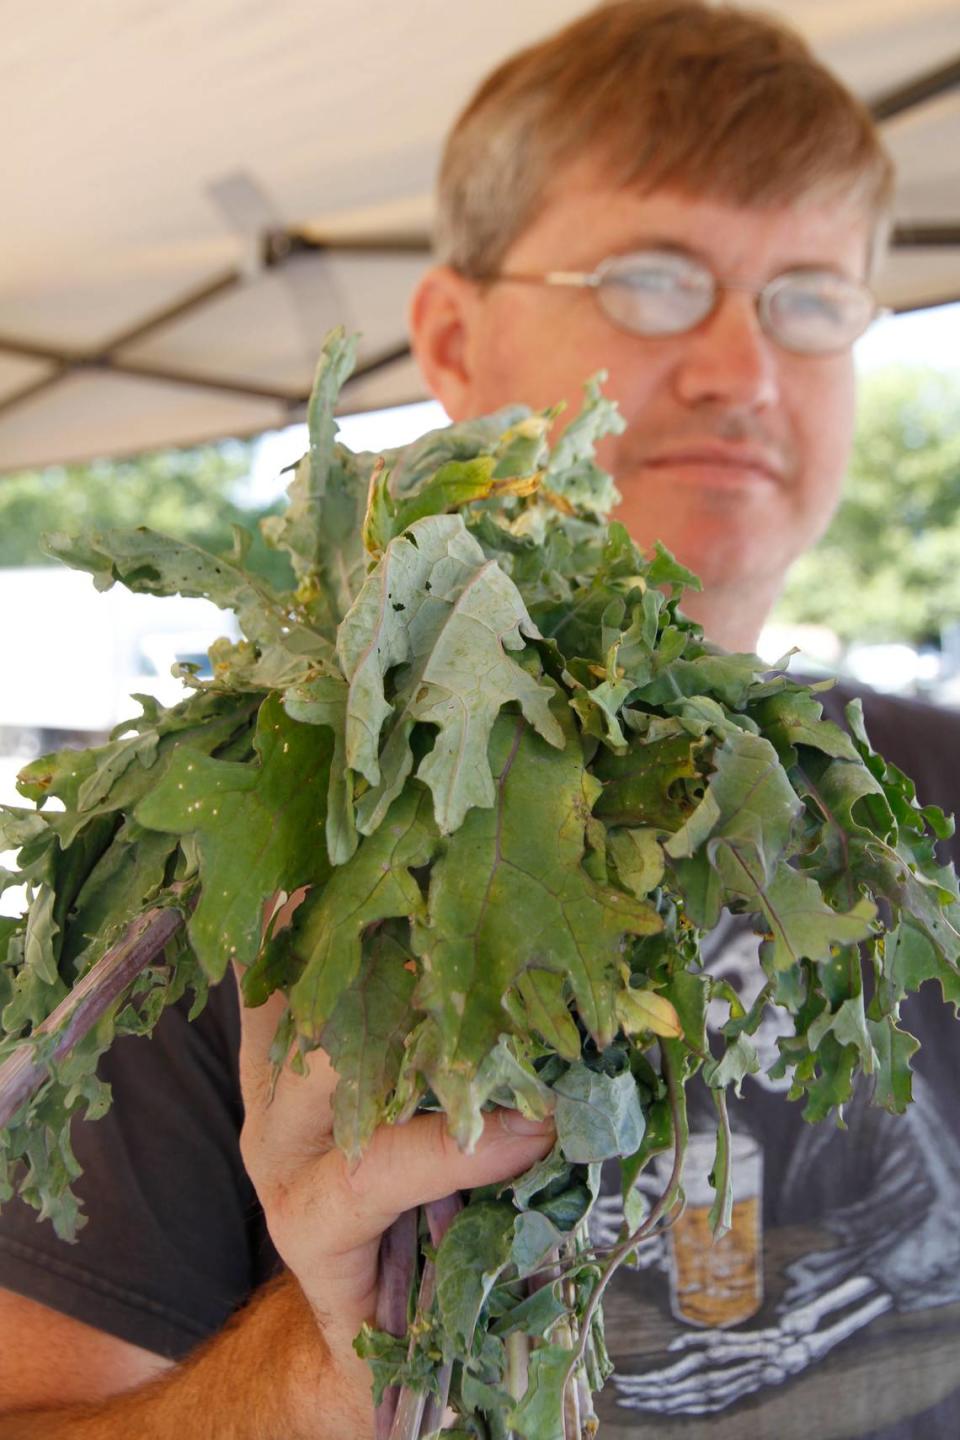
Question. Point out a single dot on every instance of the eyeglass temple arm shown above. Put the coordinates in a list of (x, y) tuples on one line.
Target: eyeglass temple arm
[(578, 278)]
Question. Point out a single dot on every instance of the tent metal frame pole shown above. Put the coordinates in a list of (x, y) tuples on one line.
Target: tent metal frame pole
[(279, 247), (68, 362), (293, 401), (917, 236), (918, 91)]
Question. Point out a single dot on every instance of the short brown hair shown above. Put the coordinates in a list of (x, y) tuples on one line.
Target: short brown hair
[(713, 101)]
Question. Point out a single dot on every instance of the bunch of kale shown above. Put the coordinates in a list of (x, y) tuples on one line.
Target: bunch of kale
[(519, 787)]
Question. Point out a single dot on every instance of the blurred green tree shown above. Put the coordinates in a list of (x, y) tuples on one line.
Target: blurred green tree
[(193, 494), (889, 566)]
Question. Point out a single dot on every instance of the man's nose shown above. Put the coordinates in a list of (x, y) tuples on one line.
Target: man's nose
[(728, 360)]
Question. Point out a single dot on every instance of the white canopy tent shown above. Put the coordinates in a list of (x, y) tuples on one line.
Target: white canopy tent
[(196, 190)]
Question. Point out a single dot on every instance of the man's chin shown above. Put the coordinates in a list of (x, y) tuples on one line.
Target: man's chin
[(722, 544), (731, 565)]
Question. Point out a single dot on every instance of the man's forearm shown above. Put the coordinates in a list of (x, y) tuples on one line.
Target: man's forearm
[(268, 1375)]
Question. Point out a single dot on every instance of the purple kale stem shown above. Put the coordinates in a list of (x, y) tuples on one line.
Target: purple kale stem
[(408, 1421), (398, 1260), (546, 1274), (440, 1215), (436, 1406), (414, 1416), (566, 1334), (144, 939)]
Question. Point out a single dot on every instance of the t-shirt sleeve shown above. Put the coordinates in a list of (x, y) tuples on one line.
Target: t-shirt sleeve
[(174, 1239)]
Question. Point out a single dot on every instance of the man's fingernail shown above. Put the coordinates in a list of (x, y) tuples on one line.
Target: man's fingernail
[(519, 1124)]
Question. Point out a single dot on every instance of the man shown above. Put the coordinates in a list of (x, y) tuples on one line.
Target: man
[(748, 188)]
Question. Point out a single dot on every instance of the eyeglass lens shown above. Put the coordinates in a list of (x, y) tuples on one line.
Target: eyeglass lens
[(660, 293)]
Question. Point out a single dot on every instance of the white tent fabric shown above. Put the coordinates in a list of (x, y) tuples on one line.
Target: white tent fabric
[(154, 154)]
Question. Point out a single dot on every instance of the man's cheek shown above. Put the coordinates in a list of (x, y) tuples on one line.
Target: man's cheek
[(608, 450)]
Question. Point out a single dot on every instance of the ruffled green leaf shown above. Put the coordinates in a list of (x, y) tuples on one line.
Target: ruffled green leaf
[(252, 823), (153, 564), (375, 884), (598, 1116), (539, 1416), (364, 1039), (321, 527), (322, 700), (473, 1253), (501, 903), (437, 607)]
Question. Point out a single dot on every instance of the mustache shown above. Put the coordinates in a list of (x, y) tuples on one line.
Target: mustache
[(735, 428)]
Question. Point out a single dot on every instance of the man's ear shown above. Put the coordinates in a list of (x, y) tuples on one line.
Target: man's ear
[(441, 315)]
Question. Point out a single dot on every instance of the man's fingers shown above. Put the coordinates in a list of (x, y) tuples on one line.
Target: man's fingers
[(326, 1216), (412, 1164), (258, 1026), (288, 1116), (288, 1148)]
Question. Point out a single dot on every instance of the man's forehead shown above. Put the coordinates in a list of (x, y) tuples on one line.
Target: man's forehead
[(586, 215)]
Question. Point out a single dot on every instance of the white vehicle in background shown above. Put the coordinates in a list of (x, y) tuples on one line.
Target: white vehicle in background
[(71, 656)]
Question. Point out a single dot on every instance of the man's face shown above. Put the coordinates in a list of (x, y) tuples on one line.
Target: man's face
[(735, 448)]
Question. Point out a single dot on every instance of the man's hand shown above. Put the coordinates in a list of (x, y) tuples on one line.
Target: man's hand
[(285, 1364), (325, 1218)]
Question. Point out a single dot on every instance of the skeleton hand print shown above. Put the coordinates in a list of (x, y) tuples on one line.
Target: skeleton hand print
[(718, 1367)]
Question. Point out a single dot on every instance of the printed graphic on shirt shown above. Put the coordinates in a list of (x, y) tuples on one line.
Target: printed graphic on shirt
[(718, 1284), (839, 1319)]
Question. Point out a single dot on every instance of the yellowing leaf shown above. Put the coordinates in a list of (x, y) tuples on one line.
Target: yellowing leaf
[(645, 1010)]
